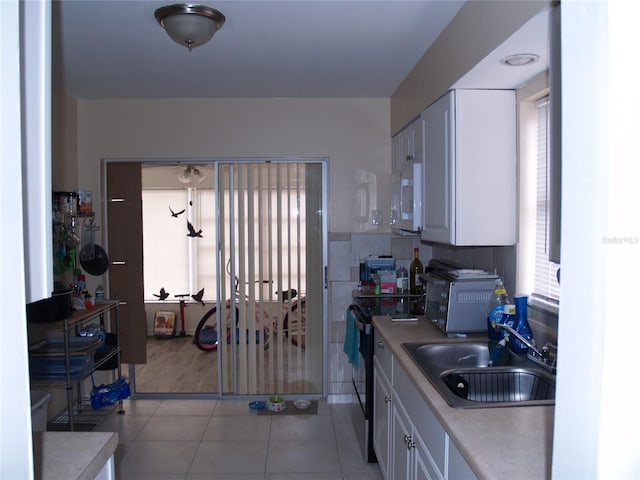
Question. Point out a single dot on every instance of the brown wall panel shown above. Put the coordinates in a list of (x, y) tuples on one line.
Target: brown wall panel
[(126, 280)]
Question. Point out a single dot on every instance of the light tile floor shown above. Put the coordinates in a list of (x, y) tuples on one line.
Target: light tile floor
[(224, 439)]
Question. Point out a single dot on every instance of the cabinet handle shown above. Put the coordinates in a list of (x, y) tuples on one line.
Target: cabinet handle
[(408, 441), (387, 399), (380, 345)]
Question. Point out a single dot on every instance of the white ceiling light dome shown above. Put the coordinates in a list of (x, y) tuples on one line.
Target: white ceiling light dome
[(190, 174), (190, 25)]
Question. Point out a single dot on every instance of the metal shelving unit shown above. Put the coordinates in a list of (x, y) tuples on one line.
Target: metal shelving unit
[(76, 413)]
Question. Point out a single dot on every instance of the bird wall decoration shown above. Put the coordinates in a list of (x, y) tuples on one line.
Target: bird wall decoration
[(175, 214), (198, 296), (192, 231), (163, 294)]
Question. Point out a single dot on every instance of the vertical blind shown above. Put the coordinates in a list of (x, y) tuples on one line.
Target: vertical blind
[(262, 240)]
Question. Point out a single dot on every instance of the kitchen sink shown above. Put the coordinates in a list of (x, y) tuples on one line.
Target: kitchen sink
[(449, 355), (460, 372)]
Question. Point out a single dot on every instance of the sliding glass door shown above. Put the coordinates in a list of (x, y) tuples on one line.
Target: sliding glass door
[(242, 243)]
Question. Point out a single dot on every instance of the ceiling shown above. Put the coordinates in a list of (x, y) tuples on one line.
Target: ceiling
[(106, 49)]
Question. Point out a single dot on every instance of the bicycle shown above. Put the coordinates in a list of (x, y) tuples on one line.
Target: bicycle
[(206, 336)]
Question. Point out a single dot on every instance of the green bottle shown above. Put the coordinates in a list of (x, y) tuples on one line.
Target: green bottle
[(415, 269)]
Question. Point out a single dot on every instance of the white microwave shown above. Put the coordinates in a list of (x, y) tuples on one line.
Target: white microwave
[(406, 199)]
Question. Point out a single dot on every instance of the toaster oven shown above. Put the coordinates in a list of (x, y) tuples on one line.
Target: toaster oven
[(457, 301)]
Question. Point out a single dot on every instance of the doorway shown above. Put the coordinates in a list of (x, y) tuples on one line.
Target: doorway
[(247, 230)]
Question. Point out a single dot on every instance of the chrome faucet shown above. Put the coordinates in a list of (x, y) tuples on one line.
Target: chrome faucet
[(545, 357)]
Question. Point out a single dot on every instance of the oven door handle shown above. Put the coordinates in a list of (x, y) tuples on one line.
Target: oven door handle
[(362, 326)]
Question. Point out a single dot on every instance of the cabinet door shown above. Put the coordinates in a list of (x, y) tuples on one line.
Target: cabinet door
[(485, 168), (381, 417), (401, 441), (422, 465), (410, 455), (417, 142), (437, 175)]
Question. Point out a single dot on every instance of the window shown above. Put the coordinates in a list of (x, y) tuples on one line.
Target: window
[(545, 283), (172, 260), (537, 275)]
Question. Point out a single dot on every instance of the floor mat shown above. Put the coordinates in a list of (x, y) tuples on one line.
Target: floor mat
[(292, 410)]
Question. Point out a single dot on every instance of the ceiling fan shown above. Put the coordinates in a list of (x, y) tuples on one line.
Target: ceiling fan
[(190, 174)]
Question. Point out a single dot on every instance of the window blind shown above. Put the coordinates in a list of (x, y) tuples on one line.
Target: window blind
[(545, 285)]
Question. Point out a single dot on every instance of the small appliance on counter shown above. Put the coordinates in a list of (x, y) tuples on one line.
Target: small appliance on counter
[(457, 298)]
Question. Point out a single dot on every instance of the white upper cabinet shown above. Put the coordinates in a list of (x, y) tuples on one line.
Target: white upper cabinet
[(407, 151), (469, 173)]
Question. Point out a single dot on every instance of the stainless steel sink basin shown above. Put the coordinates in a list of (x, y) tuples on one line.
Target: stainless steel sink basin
[(460, 373), (449, 355)]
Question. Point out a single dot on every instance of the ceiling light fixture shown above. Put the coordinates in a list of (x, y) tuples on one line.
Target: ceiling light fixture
[(189, 174), (190, 25), (519, 59)]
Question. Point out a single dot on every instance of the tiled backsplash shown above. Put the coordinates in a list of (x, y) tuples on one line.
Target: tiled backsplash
[(345, 253)]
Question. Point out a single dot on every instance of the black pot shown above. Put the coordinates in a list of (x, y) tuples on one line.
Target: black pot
[(98, 264)]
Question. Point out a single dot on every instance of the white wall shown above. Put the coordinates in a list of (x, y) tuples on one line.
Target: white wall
[(352, 133), (596, 415), (23, 147)]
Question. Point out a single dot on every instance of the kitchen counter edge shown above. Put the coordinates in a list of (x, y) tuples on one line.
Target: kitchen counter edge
[(72, 455), (504, 442)]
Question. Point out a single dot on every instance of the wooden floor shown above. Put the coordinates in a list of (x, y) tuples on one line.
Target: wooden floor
[(176, 365)]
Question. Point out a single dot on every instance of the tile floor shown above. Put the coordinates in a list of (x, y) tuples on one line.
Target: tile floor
[(224, 439)]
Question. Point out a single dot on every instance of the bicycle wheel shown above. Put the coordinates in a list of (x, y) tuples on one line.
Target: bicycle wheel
[(294, 324), (206, 336)]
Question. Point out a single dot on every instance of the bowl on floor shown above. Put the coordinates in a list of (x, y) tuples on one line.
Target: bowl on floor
[(302, 404)]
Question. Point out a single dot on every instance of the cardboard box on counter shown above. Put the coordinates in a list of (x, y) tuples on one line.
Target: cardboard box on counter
[(387, 281)]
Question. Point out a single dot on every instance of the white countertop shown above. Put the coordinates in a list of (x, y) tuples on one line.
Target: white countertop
[(510, 442), (71, 455)]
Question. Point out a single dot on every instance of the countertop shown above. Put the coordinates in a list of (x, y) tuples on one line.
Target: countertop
[(510, 442), (71, 455)]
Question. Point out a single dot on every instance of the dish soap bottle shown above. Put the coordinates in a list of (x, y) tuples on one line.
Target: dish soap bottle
[(415, 269), (496, 311)]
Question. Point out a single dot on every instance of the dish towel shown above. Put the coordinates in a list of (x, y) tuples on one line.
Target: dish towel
[(352, 339)]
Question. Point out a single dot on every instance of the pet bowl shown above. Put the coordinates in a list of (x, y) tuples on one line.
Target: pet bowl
[(256, 405), (302, 404), (276, 403)]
